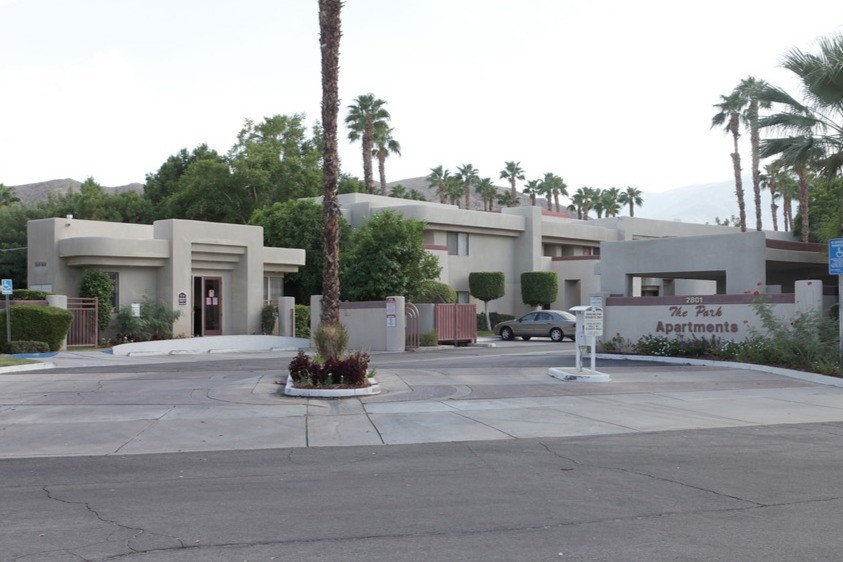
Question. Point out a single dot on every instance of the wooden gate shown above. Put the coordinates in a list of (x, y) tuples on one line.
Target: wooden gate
[(412, 326), (83, 329), (456, 323)]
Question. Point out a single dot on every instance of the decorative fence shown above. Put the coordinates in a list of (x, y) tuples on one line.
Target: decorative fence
[(83, 330)]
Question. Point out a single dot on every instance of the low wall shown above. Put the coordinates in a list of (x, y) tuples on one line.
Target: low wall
[(371, 325)]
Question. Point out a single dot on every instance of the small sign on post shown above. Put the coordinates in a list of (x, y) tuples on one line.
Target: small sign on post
[(593, 322), (7, 289), (835, 267)]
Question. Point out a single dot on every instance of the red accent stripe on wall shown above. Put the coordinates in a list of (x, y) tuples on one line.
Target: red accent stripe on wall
[(574, 258), (435, 247), (795, 246)]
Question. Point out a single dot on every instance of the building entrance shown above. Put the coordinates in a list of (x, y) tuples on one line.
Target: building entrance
[(207, 306)]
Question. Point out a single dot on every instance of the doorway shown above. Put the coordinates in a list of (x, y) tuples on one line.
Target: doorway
[(207, 306)]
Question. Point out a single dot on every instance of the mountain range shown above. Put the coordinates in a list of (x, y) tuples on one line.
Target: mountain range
[(699, 203)]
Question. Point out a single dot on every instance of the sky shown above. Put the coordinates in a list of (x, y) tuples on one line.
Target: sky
[(603, 93)]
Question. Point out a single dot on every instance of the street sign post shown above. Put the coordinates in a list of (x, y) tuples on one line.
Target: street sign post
[(7, 289), (835, 267)]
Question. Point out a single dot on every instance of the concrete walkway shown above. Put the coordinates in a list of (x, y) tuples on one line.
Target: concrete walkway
[(180, 403)]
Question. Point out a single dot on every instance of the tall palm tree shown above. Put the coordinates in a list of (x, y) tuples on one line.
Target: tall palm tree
[(729, 113), (631, 196), (770, 181), (512, 172), (329, 41), (554, 186), (487, 191), (365, 116), (609, 201), (469, 176), (506, 199), (790, 191), (454, 189), (751, 90), (532, 189), (436, 180), (384, 146), (581, 202)]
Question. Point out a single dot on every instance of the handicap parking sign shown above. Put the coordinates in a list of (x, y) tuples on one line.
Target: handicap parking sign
[(835, 256), (6, 286)]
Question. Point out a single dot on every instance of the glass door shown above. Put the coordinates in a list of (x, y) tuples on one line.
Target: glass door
[(211, 306)]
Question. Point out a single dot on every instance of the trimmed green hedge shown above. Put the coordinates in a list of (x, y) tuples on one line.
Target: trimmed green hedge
[(28, 295), (39, 323), (15, 347), (436, 292), (486, 285), (302, 321), (539, 287)]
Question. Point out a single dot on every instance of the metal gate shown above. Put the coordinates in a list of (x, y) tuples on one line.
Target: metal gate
[(412, 328), (83, 329)]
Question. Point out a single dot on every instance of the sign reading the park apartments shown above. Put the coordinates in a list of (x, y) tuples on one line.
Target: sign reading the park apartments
[(698, 319)]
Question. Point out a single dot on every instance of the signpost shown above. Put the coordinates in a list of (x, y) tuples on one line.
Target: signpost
[(7, 290), (835, 267), (589, 326)]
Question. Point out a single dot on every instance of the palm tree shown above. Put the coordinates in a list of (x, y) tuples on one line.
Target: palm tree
[(729, 112), (512, 171), (546, 189), (770, 181), (789, 190), (329, 41), (553, 186), (487, 191), (580, 202), (505, 199), (436, 180), (454, 189), (365, 116), (609, 201), (469, 176), (532, 189), (384, 146), (631, 196), (751, 91)]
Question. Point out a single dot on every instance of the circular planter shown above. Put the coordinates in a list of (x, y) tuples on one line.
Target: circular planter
[(291, 390)]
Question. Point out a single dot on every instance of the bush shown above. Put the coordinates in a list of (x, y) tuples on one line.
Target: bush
[(269, 315), (98, 284), (24, 346), (429, 339), (39, 323), (302, 321), (435, 292), (330, 341), (539, 287), (154, 323), (494, 318), (350, 371), (28, 295), (487, 286)]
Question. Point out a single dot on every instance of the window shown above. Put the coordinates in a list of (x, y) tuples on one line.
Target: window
[(273, 287), (463, 297), (115, 295), (458, 243)]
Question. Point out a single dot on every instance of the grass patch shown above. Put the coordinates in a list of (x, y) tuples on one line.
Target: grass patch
[(9, 361)]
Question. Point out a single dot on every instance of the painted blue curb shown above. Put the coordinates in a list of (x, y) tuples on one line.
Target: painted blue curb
[(35, 355)]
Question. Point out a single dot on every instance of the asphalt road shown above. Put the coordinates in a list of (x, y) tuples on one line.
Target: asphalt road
[(759, 492)]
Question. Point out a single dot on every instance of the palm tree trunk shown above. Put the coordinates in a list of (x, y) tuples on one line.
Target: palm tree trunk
[(442, 192), (468, 196), (368, 178), (556, 201), (330, 33), (773, 207), (631, 211), (514, 193), (736, 165), (755, 139), (802, 174), (382, 171)]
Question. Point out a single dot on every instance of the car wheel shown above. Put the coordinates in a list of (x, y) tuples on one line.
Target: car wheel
[(556, 334), (506, 334), (526, 338)]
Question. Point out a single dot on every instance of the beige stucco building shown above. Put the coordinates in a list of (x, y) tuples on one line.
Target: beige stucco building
[(217, 275)]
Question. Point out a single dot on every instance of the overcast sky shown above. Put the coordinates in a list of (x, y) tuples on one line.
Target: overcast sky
[(610, 93)]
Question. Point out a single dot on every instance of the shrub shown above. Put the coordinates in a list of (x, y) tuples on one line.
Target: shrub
[(539, 287), (98, 284), (28, 295), (330, 341), (302, 321), (351, 370), (269, 315), (435, 292), (429, 339), (39, 323), (494, 318), (24, 346), (618, 344), (154, 323), (487, 286), (302, 368)]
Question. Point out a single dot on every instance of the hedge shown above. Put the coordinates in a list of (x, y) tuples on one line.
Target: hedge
[(39, 323), (436, 292), (539, 287)]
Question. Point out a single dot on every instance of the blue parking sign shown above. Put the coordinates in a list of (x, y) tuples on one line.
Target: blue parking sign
[(7, 286), (835, 256)]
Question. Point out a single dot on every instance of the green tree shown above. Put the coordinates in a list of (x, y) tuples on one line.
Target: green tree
[(631, 196), (487, 192), (512, 172), (454, 189), (97, 284), (751, 89), (329, 42), (436, 179), (208, 191), (506, 199), (298, 224), (386, 257), (8, 196), (366, 116), (487, 286), (729, 113), (552, 186), (165, 182), (608, 200), (533, 188), (385, 145), (539, 288), (468, 175), (13, 240)]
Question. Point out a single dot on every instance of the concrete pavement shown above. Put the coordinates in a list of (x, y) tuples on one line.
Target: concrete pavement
[(94, 403)]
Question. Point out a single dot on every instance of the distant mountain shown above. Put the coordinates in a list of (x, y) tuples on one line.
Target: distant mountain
[(33, 192)]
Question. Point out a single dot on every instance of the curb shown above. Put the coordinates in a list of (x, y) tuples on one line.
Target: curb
[(28, 367)]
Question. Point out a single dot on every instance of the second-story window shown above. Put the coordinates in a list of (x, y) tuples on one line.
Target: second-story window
[(458, 243)]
